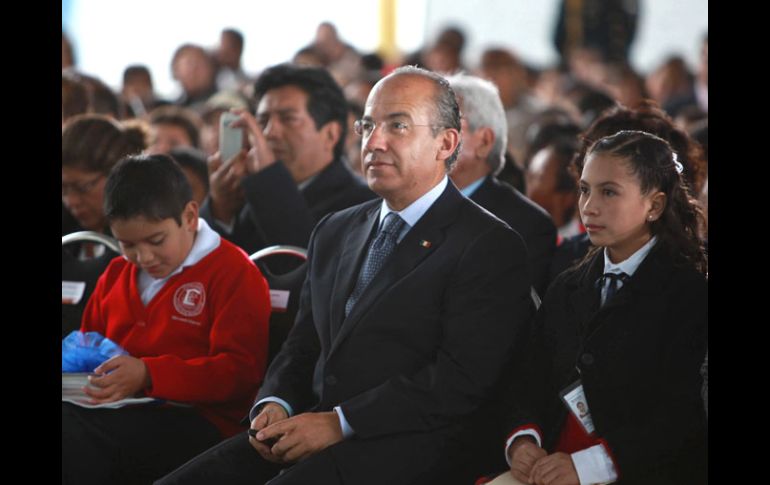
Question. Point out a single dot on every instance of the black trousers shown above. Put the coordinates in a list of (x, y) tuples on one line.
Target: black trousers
[(390, 460), (236, 462), (133, 445), (415, 458)]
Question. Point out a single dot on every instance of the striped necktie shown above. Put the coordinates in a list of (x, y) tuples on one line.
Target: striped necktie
[(379, 250)]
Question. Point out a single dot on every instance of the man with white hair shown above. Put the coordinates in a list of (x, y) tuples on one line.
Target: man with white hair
[(481, 158)]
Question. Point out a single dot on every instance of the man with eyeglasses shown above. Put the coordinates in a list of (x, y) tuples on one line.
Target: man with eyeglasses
[(91, 145), (294, 174), (80, 188), (408, 317), (85, 262)]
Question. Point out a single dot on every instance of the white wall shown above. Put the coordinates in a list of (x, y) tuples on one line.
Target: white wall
[(111, 34), (526, 26)]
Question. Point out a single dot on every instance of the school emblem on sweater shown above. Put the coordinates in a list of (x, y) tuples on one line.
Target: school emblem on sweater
[(189, 299)]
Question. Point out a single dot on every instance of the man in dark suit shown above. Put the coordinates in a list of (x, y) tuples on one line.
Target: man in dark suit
[(482, 157), (387, 371), (294, 173)]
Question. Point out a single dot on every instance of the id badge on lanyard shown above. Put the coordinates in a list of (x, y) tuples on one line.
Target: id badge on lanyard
[(575, 399)]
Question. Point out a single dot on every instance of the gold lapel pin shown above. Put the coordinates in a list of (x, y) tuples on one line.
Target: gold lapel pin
[(425, 244)]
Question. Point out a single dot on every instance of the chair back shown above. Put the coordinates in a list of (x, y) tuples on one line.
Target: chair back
[(284, 292), (79, 277)]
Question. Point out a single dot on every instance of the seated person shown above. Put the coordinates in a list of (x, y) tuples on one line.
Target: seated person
[(649, 118), (411, 309), (551, 185), (193, 163), (192, 312), (173, 126), (481, 158), (295, 172), (612, 391), (91, 145)]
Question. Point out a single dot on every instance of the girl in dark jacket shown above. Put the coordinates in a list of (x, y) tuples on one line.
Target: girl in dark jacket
[(611, 392)]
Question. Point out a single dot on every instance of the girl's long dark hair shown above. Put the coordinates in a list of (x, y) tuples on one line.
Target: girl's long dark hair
[(652, 160)]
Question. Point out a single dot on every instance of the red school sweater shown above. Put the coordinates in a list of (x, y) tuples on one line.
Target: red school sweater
[(203, 337)]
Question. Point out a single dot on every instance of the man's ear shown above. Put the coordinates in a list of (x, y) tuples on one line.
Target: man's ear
[(449, 139), (486, 142)]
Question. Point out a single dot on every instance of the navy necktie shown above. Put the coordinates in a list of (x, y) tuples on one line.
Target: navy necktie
[(379, 250), (611, 281)]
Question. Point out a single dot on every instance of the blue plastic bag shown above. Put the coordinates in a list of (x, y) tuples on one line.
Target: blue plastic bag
[(84, 352)]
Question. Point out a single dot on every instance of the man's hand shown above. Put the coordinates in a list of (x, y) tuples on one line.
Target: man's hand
[(524, 452), (260, 155), (121, 377), (225, 185), (303, 435), (555, 469), (271, 413)]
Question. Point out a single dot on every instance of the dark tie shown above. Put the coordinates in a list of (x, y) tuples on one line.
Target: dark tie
[(611, 281), (379, 250)]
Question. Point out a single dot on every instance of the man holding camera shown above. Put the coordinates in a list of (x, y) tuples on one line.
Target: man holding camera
[(293, 173)]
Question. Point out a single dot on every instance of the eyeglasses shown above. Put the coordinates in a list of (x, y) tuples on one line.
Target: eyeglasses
[(80, 188), (390, 127)]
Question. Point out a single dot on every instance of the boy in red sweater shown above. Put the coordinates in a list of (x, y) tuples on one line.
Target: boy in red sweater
[(191, 310)]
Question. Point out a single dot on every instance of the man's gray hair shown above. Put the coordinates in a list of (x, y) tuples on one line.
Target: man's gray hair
[(482, 107), (447, 108)]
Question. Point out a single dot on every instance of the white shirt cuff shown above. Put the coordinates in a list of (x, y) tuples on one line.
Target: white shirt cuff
[(347, 431), (594, 465), (286, 406), (524, 432)]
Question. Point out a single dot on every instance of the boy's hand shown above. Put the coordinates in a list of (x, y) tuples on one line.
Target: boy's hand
[(121, 377)]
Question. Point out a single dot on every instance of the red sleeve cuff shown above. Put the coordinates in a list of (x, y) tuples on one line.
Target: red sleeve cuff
[(533, 427)]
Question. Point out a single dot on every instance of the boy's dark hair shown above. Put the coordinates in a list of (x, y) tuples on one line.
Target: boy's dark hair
[(325, 100), (152, 186)]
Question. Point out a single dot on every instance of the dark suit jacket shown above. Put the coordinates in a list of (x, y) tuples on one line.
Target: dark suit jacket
[(569, 253), (525, 217), (277, 212), (638, 357), (423, 348)]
